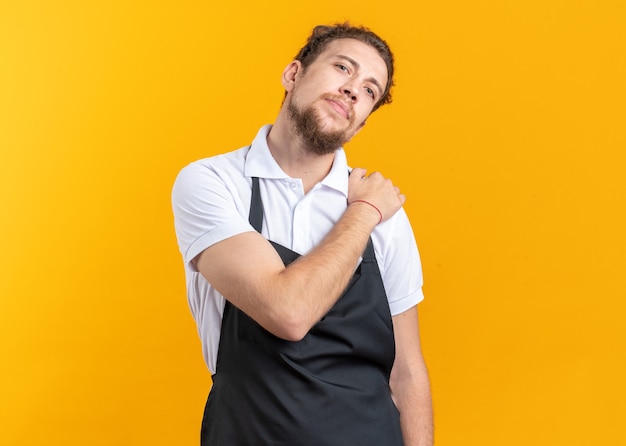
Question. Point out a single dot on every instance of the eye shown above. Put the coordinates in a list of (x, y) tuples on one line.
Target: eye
[(369, 91), (343, 68)]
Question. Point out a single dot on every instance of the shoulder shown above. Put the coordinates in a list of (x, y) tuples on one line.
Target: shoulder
[(210, 202), (208, 173), (222, 164)]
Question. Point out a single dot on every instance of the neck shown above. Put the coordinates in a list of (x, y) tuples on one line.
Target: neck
[(293, 156)]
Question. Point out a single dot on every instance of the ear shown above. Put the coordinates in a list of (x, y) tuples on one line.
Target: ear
[(290, 73)]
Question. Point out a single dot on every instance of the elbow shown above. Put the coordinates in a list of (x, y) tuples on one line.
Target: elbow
[(291, 327), (294, 335), (279, 314)]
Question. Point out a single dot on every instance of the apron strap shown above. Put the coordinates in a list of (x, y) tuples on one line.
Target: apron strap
[(256, 207)]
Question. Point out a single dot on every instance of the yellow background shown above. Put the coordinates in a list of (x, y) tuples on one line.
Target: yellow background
[(507, 134)]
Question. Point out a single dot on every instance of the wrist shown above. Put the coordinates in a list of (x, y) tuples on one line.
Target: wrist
[(374, 209)]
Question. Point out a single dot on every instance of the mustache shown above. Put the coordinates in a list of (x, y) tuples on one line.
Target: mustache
[(341, 100)]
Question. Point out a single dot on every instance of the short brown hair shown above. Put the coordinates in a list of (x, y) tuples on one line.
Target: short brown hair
[(322, 35)]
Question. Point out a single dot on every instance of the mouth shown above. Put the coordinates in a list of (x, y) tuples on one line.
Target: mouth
[(340, 107)]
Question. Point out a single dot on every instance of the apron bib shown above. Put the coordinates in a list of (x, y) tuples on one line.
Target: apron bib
[(329, 389)]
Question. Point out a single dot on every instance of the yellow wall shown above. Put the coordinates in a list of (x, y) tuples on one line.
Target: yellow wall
[(507, 134)]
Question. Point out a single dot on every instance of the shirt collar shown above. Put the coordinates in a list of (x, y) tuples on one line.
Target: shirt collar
[(260, 163), (337, 178)]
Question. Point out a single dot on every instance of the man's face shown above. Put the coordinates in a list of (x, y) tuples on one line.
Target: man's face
[(330, 101)]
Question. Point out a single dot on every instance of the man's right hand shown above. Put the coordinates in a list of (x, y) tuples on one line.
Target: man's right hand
[(376, 190)]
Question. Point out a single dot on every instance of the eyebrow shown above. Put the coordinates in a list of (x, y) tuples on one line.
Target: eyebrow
[(357, 66)]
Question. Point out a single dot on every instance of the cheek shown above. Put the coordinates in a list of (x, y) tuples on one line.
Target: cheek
[(362, 114), (301, 96)]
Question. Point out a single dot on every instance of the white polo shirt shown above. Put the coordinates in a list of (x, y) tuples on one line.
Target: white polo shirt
[(211, 202)]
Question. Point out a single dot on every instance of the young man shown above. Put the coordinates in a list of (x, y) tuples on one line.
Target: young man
[(303, 277)]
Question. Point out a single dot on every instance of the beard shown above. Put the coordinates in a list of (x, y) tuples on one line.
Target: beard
[(307, 124)]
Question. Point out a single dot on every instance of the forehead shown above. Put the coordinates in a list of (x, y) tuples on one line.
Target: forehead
[(366, 56)]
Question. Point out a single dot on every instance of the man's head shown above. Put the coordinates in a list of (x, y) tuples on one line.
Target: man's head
[(322, 35), (338, 79)]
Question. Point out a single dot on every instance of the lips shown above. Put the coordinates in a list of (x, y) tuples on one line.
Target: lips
[(340, 107)]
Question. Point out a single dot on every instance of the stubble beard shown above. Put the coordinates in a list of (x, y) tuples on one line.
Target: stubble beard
[(307, 125)]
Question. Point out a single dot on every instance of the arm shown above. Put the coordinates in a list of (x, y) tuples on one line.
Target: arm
[(410, 388), (288, 301)]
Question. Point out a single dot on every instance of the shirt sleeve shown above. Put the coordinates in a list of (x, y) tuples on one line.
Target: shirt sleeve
[(400, 264), (207, 209)]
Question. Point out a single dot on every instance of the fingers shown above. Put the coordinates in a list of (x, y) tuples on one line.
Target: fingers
[(361, 175), (402, 198), (376, 189), (358, 172)]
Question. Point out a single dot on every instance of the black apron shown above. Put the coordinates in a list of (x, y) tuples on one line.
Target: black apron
[(331, 388)]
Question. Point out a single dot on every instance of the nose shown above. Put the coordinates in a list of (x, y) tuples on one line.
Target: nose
[(350, 92)]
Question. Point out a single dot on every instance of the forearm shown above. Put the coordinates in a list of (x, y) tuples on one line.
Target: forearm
[(288, 301), (414, 403), (410, 386), (306, 290)]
